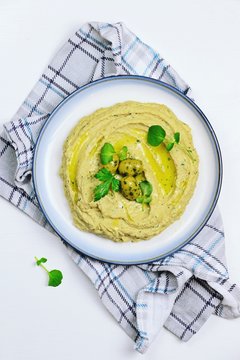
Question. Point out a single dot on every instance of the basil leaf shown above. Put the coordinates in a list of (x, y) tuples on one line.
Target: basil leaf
[(55, 278), (177, 137), (169, 146), (156, 135), (123, 153), (106, 154), (140, 200)]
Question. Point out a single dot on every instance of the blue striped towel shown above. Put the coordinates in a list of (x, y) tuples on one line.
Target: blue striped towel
[(179, 292)]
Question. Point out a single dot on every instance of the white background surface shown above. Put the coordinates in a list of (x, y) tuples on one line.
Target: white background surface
[(201, 40)]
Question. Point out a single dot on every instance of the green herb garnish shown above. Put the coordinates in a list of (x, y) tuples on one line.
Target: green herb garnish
[(40, 261), (103, 174), (146, 188), (177, 137), (123, 153), (169, 146), (102, 190), (54, 276), (156, 135), (108, 181), (106, 154), (115, 184), (176, 140)]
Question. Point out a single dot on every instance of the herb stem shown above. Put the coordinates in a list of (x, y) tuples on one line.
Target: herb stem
[(41, 265)]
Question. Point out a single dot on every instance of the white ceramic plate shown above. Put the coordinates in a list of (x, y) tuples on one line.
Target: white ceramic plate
[(48, 154)]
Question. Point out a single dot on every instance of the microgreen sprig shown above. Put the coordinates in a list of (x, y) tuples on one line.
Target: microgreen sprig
[(123, 153), (54, 276), (156, 135), (176, 140), (146, 188), (106, 154)]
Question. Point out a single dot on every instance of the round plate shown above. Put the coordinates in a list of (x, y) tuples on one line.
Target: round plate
[(49, 186)]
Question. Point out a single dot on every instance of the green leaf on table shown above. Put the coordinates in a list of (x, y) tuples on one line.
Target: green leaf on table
[(40, 261), (55, 278)]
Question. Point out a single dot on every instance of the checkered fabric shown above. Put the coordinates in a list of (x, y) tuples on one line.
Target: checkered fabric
[(179, 292)]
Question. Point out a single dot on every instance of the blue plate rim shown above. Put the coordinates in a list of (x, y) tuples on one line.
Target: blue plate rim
[(204, 118)]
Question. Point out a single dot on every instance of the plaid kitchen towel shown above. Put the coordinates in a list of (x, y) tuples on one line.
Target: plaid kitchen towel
[(179, 292)]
